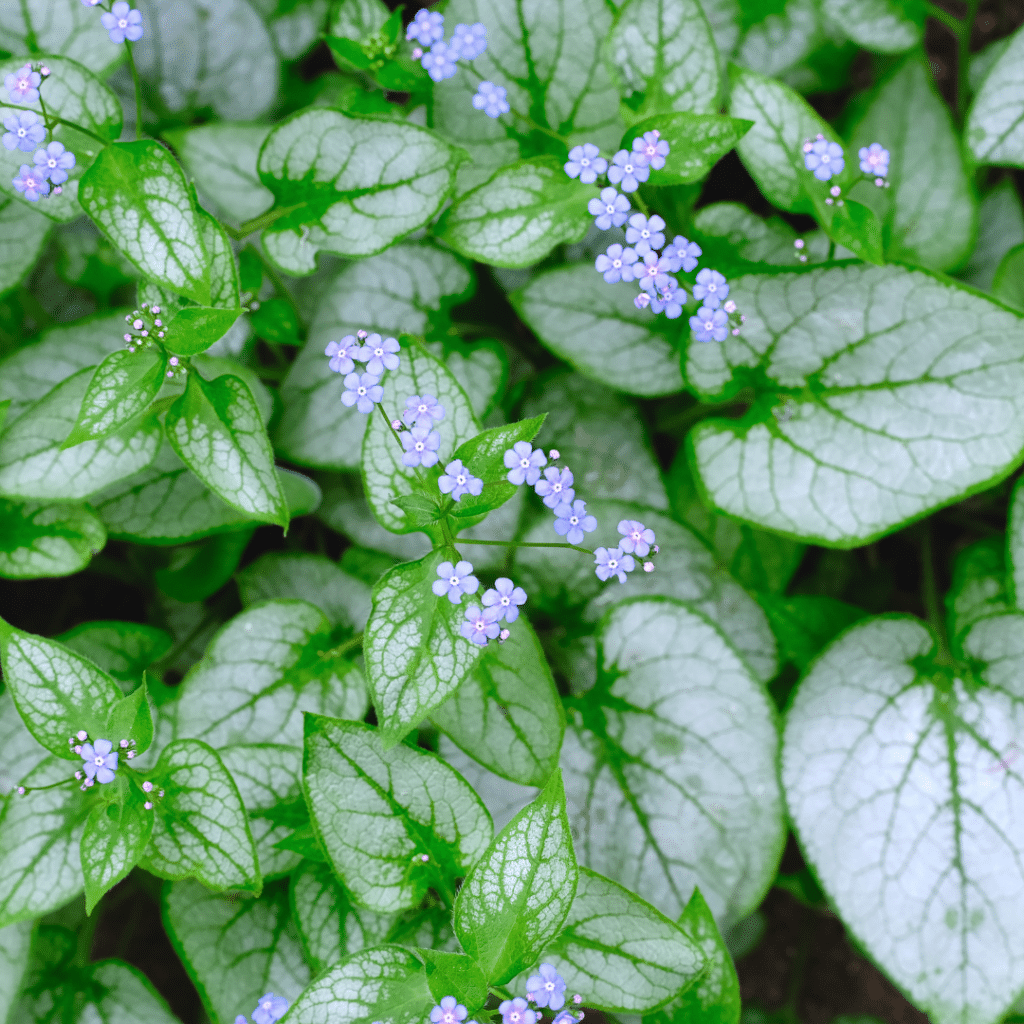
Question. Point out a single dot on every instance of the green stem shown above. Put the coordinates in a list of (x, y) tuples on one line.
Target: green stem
[(930, 594), (947, 19), (526, 544), (279, 286), (831, 249), (264, 220), (964, 58), (138, 90), (348, 645), (60, 120)]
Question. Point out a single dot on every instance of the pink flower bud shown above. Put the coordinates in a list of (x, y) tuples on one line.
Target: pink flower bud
[(147, 787), (156, 310), (148, 805), (798, 244), (648, 567), (82, 735), (554, 454), (21, 791)]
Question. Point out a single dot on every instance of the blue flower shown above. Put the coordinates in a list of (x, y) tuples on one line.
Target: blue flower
[(23, 85), (343, 353), (711, 288), (616, 264), (571, 522), (469, 41), (547, 987), (710, 324), (422, 407), (240, 1019), (642, 301), (628, 168), (874, 159), (455, 580), (556, 486), (610, 209), (523, 463), (504, 599), (100, 760), (645, 233), (426, 28), (516, 1011), (55, 162), (363, 391), (490, 98), (479, 627), (380, 354), (458, 481), (421, 444), (636, 538), (24, 131), (654, 273), (123, 23), (682, 255), (653, 148), (612, 562), (31, 183), (824, 158), (669, 300), (269, 1009), (586, 163), (439, 61)]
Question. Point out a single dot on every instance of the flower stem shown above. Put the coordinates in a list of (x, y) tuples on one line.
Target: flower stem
[(138, 90), (526, 544), (930, 594), (336, 652)]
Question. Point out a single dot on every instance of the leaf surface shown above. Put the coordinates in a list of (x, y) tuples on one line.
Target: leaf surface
[(995, 123), (39, 540)]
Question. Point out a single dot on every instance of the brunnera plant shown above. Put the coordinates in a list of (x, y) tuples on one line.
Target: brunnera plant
[(469, 709)]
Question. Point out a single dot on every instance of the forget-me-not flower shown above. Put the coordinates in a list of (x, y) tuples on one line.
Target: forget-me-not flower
[(270, 1009), (711, 287), (653, 148), (363, 391), (469, 41), (636, 538), (517, 1011), (611, 208), (505, 597), (654, 273), (628, 168), (586, 163), (874, 159), (426, 28), (480, 626), (617, 263), (380, 354), (613, 562), (449, 1011), (23, 85), (454, 581), (343, 353), (669, 300), (571, 521), (24, 131), (458, 480), (123, 23), (491, 99), (421, 444), (682, 255), (31, 183), (547, 987), (100, 760), (556, 486), (824, 158), (440, 61), (55, 162), (422, 407), (523, 463), (710, 324), (645, 233)]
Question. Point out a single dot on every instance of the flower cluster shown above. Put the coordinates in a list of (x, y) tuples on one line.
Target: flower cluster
[(146, 328), (439, 58), (825, 160), (99, 758), (363, 390), (546, 989), (638, 540), (502, 601), (628, 167), (123, 24), (269, 1009)]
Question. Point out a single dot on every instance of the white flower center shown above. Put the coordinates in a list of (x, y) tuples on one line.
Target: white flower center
[(506, 601), (22, 132), (584, 161), (645, 233), (123, 23), (613, 563), (460, 479), (361, 390), (51, 162), (453, 580), (708, 324), (610, 207), (524, 463), (421, 408), (616, 263), (574, 520), (712, 287), (635, 535), (556, 488), (420, 446), (98, 759), (378, 351), (550, 986), (825, 158)]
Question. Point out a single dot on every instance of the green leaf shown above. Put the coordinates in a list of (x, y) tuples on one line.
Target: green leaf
[(930, 212), (367, 184), (804, 624), (200, 827), (980, 586), (697, 141), (622, 952), (15, 942), (40, 867), (852, 225), (224, 287), (275, 321), (57, 692), (886, 26), (995, 123), (122, 995), (402, 291), (122, 387), (480, 367), (262, 671), (343, 598), (419, 509), (771, 149), (779, 35), (506, 713), (358, 20), (415, 653), (677, 747), (130, 719), (455, 974), (221, 159), (198, 572), (1000, 229), (517, 217), (34, 463), (385, 476), (235, 949), (1015, 548), (663, 50), (22, 749), (1008, 285), (331, 926), (597, 329), (379, 811), (115, 836), (386, 985), (23, 234), (927, 768), (39, 540), (233, 70), (123, 650), (514, 902), (216, 429), (840, 445), (34, 26)]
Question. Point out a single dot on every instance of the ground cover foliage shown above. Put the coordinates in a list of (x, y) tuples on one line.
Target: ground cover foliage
[(506, 507)]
